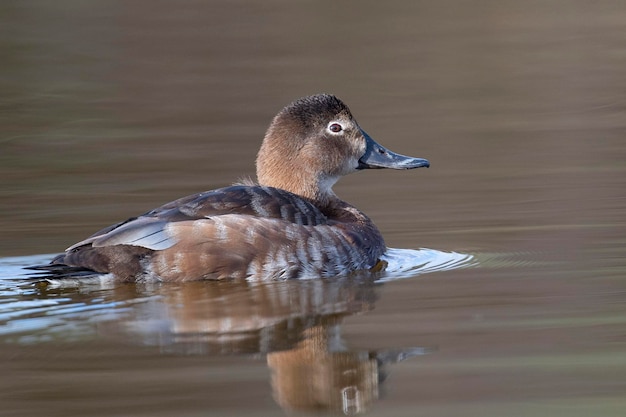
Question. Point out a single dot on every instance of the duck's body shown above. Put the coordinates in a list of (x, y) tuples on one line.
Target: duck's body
[(290, 225)]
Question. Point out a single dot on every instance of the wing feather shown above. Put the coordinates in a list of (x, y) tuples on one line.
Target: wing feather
[(150, 233), (151, 230)]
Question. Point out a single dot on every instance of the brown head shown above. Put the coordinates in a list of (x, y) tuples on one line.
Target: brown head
[(313, 142)]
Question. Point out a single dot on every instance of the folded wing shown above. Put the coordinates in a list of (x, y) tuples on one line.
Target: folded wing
[(151, 230)]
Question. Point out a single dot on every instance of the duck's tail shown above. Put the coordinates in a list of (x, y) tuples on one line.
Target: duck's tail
[(57, 269)]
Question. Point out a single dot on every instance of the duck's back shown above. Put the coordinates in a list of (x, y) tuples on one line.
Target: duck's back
[(251, 232)]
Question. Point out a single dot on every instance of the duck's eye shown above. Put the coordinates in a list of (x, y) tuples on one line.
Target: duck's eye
[(335, 127)]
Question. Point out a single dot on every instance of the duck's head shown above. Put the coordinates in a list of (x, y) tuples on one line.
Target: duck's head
[(313, 142)]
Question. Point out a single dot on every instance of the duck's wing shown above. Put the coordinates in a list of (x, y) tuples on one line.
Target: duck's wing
[(152, 229)]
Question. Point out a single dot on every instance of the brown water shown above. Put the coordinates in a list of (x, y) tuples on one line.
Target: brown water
[(110, 108)]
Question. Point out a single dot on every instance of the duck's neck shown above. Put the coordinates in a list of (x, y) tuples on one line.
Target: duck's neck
[(317, 190), (284, 164)]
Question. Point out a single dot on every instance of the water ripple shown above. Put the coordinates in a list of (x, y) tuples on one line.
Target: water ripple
[(33, 309), (406, 263)]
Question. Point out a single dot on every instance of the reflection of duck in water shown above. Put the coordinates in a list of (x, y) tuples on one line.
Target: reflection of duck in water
[(295, 323), (289, 225), (320, 374)]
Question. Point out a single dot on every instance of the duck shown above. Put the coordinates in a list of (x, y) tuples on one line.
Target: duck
[(289, 224)]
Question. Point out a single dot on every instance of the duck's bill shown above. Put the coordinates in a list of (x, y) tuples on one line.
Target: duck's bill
[(377, 156)]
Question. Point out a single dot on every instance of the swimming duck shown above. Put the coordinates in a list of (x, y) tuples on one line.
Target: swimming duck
[(288, 225)]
